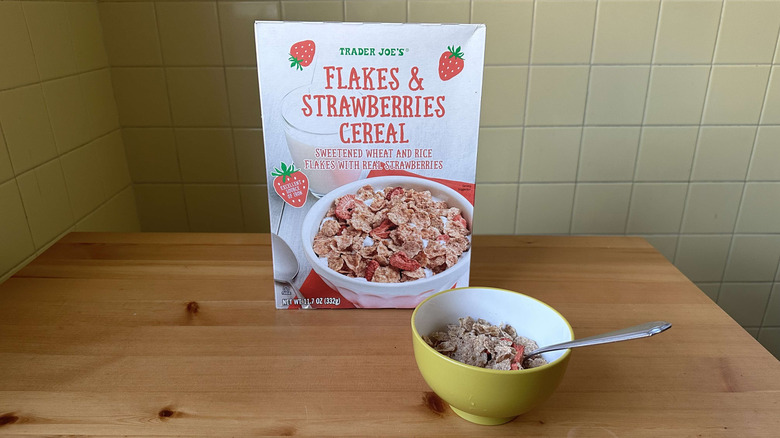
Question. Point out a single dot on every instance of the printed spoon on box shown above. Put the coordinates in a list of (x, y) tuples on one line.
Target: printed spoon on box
[(286, 267), (639, 331)]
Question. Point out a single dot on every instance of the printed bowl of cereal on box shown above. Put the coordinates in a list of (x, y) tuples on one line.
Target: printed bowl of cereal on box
[(389, 241)]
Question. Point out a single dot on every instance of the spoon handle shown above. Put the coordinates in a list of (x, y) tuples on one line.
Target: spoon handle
[(636, 332)]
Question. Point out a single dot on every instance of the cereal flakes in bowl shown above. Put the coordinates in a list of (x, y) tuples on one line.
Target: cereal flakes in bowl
[(389, 241)]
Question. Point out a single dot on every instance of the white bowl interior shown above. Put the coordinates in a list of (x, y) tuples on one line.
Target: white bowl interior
[(311, 224), (530, 317)]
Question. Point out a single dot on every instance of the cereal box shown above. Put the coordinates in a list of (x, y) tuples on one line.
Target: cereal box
[(370, 134)]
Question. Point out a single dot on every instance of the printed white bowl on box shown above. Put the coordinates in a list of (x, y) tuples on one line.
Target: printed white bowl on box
[(363, 293)]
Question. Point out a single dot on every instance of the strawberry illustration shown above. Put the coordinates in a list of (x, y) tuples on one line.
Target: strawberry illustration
[(450, 63), (301, 54), (291, 185)]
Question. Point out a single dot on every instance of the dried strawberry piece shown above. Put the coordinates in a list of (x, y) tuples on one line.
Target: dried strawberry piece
[(518, 359), (341, 230), (401, 261), (382, 231), (514, 366), (345, 206), (458, 218), (394, 191), (443, 237), (370, 268), (520, 351)]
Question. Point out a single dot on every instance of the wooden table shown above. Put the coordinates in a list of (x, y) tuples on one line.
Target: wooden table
[(177, 335)]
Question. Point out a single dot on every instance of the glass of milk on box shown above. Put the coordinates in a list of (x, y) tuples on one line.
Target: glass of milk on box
[(314, 141)]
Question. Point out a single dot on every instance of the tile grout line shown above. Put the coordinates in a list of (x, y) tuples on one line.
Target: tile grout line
[(15, 180), (54, 240), (58, 158), (516, 64), (65, 181), (110, 198), (775, 58), (170, 114), (18, 267), (541, 64), (745, 177), (230, 117), (772, 286), (525, 118), (745, 184), (8, 153), (48, 118), (65, 76), (772, 71), (634, 125), (118, 124), (631, 64), (744, 191), (644, 120), (193, 127), (697, 140), (497, 127), (626, 181), (78, 75), (584, 113), (666, 125), (775, 281)]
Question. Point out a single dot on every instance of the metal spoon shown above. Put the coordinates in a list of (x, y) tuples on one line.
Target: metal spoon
[(286, 267), (636, 332)]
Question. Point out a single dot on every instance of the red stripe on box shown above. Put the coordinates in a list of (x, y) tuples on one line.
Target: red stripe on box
[(314, 287)]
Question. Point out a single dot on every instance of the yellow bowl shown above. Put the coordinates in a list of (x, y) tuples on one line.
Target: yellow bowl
[(480, 395)]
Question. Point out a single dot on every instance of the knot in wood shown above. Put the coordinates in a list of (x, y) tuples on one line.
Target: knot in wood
[(8, 419), (193, 307)]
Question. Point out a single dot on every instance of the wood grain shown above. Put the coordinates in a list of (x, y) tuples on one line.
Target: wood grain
[(160, 334)]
